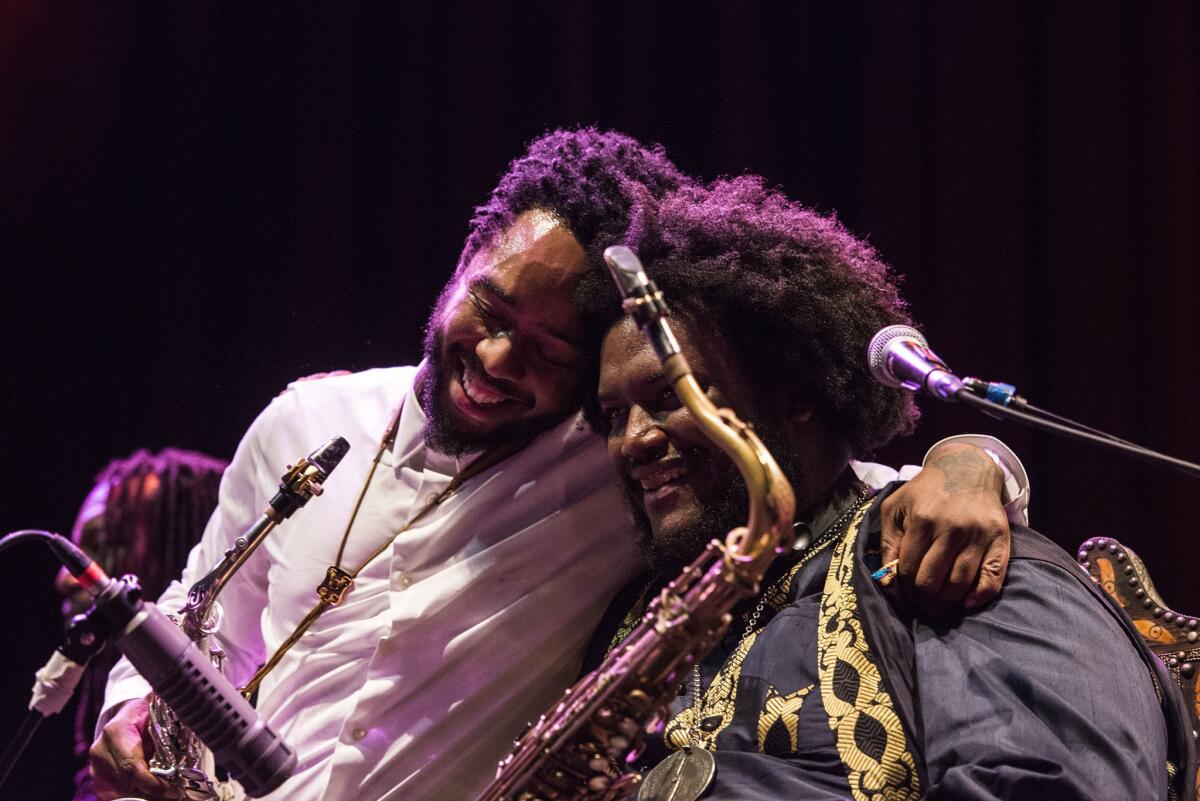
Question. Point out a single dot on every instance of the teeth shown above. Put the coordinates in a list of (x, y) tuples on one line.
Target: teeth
[(478, 390), (662, 478)]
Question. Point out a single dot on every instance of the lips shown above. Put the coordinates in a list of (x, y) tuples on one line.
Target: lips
[(657, 479), (479, 389), (479, 396)]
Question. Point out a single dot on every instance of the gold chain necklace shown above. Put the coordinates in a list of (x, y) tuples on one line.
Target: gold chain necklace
[(339, 581)]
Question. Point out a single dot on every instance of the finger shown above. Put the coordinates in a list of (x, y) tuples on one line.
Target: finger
[(140, 781), (991, 571), (961, 578), (118, 764), (916, 539), (934, 569), (134, 781), (892, 515)]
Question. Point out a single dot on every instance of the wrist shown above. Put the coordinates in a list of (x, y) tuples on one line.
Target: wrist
[(967, 467)]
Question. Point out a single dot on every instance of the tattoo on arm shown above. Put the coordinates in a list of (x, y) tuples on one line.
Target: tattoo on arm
[(967, 470)]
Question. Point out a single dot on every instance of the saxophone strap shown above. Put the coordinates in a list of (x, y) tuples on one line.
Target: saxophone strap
[(338, 580)]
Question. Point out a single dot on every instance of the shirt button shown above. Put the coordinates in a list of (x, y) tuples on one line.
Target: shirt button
[(358, 733), (405, 581), (431, 499)]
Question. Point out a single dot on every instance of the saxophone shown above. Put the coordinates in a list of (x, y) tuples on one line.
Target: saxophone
[(179, 756), (580, 749)]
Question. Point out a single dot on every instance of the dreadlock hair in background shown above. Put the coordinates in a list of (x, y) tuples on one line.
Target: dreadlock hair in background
[(796, 295), (158, 505), (155, 507)]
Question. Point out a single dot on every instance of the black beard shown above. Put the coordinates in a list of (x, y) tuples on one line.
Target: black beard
[(442, 433), (726, 509), (667, 556)]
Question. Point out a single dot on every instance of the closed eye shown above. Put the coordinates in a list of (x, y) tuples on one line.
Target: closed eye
[(493, 322), (558, 355), (483, 307), (613, 418)]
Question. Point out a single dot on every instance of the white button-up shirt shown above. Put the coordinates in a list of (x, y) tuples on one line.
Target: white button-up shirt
[(468, 626)]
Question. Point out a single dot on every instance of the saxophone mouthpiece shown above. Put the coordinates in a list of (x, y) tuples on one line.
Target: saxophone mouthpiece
[(642, 300), (329, 455), (627, 270), (305, 479)]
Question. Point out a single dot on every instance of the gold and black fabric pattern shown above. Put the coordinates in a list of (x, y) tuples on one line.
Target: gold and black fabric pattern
[(699, 724), (870, 738), (779, 721)]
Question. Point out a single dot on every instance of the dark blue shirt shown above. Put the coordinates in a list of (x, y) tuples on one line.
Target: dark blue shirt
[(1040, 695)]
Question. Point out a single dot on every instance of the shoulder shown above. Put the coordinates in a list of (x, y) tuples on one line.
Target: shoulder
[(1044, 582), (356, 406), (378, 384), (350, 398)]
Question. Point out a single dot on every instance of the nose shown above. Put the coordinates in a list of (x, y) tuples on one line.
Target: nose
[(501, 357), (644, 437)]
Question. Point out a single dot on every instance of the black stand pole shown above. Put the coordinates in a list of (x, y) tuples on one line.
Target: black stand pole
[(85, 637), (1112, 443), (16, 745)]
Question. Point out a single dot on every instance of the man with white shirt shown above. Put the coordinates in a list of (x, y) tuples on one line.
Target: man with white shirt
[(474, 591)]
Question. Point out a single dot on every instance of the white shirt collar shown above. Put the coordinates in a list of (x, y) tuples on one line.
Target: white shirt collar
[(410, 448)]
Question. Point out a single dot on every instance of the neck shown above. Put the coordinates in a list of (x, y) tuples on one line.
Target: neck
[(825, 509), (820, 460)]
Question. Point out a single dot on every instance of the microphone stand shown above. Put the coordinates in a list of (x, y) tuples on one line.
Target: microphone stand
[(55, 687), (1000, 405)]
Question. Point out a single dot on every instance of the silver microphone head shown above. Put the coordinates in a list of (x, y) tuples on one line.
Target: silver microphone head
[(878, 349)]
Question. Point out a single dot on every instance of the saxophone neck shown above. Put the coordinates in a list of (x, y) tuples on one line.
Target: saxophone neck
[(772, 502)]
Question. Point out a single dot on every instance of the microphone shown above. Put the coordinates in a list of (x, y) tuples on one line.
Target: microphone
[(900, 357), (205, 701), (185, 679)]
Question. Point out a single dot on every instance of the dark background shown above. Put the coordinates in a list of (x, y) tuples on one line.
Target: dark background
[(202, 202)]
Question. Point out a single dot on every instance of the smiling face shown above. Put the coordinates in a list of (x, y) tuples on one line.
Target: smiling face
[(503, 355), (681, 488)]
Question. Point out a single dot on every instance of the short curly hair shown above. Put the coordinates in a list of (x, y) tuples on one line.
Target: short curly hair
[(797, 296), (584, 176)]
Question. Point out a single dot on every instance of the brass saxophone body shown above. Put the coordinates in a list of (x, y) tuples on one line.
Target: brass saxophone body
[(579, 750), (179, 756)]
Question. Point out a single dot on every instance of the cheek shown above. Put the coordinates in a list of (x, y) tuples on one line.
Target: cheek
[(554, 391)]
